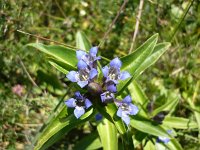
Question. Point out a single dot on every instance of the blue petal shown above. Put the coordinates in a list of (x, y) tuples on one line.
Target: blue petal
[(127, 99), (88, 103), (81, 65), (169, 131), (105, 71), (124, 75), (82, 83), (93, 51), (112, 88), (166, 140), (79, 111), (114, 81), (119, 112), (125, 118), (163, 139), (78, 95), (133, 109), (97, 58), (80, 54), (70, 102), (116, 62), (98, 117), (107, 96), (72, 76), (93, 73), (103, 97)]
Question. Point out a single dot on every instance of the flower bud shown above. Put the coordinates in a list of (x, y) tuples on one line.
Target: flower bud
[(94, 88)]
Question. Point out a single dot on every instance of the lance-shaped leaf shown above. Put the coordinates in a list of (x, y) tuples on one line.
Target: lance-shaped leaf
[(60, 53), (133, 61), (149, 127), (82, 41), (58, 65), (108, 135), (180, 123), (136, 93), (158, 51), (59, 125), (90, 142), (170, 105)]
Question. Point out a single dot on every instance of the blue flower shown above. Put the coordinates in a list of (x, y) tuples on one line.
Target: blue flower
[(83, 76), (90, 59), (98, 117), (80, 103), (126, 108), (164, 140), (107, 97), (112, 74)]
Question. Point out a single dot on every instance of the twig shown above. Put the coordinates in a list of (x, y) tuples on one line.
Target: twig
[(177, 71), (113, 22), (28, 125), (62, 12), (43, 38), (49, 40), (137, 25), (30, 78), (182, 18), (195, 92)]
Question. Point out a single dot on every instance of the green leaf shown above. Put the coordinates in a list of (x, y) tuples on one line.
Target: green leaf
[(150, 146), (191, 102), (149, 127), (58, 65), (173, 144), (170, 105), (90, 142), (180, 123), (108, 135), (158, 51), (137, 93), (111, 109), (133, 61), (58, 126), (60, 53), (82, 41)]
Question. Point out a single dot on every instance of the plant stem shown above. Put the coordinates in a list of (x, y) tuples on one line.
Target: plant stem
[(181, 19), (137, 25), (113, 22)]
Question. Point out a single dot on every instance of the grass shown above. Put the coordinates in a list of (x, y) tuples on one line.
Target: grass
[(175, 74)]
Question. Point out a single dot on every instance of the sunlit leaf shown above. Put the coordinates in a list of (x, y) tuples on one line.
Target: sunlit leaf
[(151, 128), (59, 125), (132, 62), (168, 106), (60, 66), (180, 123), (82, 41), (90, 142), (60, 53), (108, 135), (158, 51)]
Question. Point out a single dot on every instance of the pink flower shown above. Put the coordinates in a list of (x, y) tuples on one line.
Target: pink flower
[(18, 89)]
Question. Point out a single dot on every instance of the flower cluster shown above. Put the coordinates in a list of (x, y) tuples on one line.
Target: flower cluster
[(87, 76)]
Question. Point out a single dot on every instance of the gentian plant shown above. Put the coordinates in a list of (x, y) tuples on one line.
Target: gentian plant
[(108, 97), (87, 71)]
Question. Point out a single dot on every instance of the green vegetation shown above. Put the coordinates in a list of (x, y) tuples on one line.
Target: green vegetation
[(31, 88)]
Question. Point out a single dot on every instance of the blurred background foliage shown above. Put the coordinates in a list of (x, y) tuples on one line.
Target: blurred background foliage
[(30, 87)]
